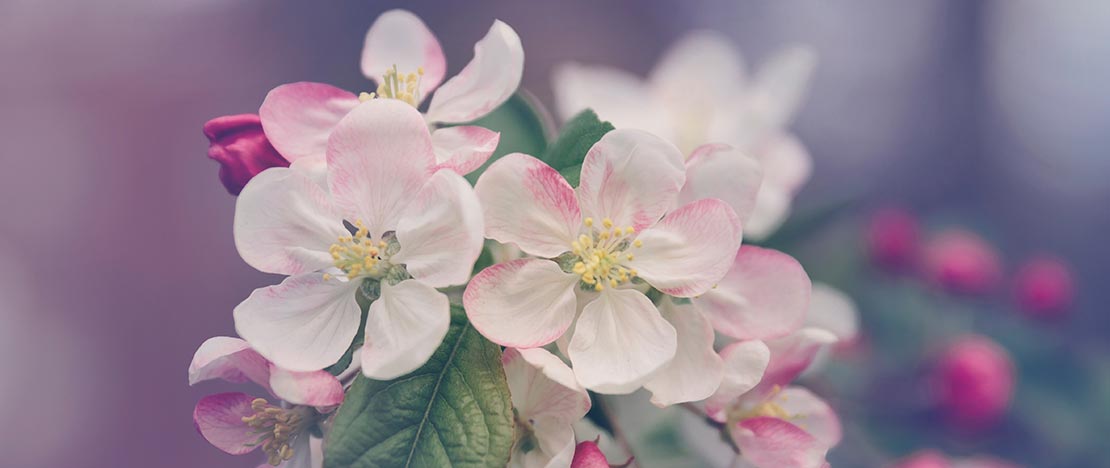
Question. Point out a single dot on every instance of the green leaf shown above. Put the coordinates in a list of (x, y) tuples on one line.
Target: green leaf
[(578, 135), (523, 129), (454, 411), (572, 174)]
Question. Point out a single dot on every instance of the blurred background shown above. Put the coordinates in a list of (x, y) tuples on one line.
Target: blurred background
[(116, 253)]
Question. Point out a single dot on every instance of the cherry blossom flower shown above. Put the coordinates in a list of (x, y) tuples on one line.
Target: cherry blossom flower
[(404, 58), (1044, 287), (698, 94), (601, 247), (973, 381), (772, 424), (238, 423), (547, 401), (381, 222), (238, 143), (934, 459)]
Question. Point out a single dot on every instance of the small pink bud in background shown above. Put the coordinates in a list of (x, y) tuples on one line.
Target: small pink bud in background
[(588, 455), (1044, 287), (239, 145), (973, 382), (892, 237), (962, 262), (923, 459)]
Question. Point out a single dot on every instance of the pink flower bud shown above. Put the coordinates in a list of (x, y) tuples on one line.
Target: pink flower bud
[(1044, 287), (892, 238), (973, 382), (588, 455), (923, 459), (962, 262), (239, 145)]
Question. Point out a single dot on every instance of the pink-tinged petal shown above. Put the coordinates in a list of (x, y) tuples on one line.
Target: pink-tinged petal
[(811, 413), (529, 204), (696, 370), (219, 418), (984, 462), (588, 455), (1045, 287), (238, 143), (299, 117), (465, 148), (285, 223), (379, 157), (441, 232), (620, 342), (521, 304), (830, 309), (399, 38), (744, 365), (230, 359), (688, 252), (764, 295), (772, 207), (723, 172), (786, 163), (780, 85), (543, 387), (303, 324), (616, 96), (490, 78), (791, 355), (403, 329), (773, 443), (317, 388), (631, 177)]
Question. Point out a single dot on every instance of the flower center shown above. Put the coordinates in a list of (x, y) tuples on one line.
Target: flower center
[(394, 85), (601, 254), (359, 255), (277, 428), (768, 408)]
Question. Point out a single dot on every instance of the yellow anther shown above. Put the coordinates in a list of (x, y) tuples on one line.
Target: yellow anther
[(598, 287), (589, 222), (364, 96), (628, 231), (358, 254), (638, 243), (399, 86), (276, 428), (630, 257), (601, 252), (608, 223), (420, 71)]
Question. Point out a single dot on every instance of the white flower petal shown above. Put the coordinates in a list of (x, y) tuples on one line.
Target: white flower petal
[(764, 295), (631, 177), (772, 207), (521, 304), (316, 388), (441, 232), (529, 204), (379, 157), (230, 359), (618, 97), (490, 78), (403, 329), (791, 355), (303, 324), (284, 223), (780, 84), (688, 252), (399, 38), (696, 370), (620, 342), (464, 148), (744, 365), (786, 163), (830, 309), (542, 386), (723, 172), (701, 65), (811, 413)]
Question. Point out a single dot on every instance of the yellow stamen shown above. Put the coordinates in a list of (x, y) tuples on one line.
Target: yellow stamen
[(600, 254)]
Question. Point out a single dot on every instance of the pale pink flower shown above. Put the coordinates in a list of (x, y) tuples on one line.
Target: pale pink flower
[(698, 93), (406, 61), (238, 423), (547, 401), (1045, 287), (601, 247), (892, 238), (381, 218), (773, 426), (935, 459), (973, 382), (961, 262)]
